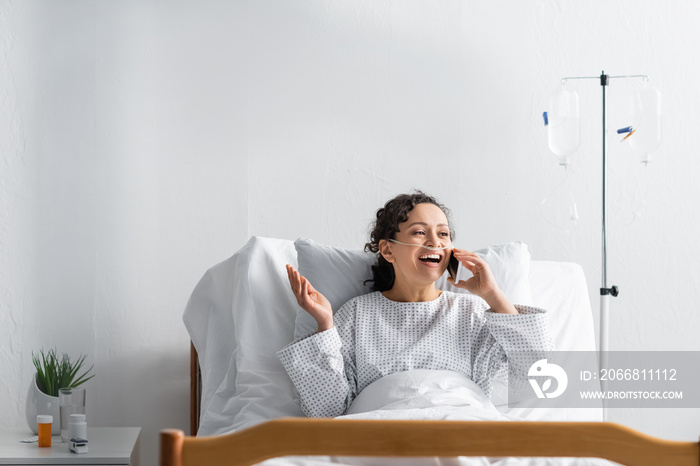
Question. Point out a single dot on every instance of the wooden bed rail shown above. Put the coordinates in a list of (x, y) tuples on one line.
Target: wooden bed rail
[(303, 436), (195, 390)]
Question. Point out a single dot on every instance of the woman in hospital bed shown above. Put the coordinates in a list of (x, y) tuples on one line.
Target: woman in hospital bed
[(406, 324)]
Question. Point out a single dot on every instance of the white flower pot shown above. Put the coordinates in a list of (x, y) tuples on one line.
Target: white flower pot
[(41, 403)]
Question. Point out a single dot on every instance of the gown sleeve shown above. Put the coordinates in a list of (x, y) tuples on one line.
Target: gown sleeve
[(510, 339), (322, 367)]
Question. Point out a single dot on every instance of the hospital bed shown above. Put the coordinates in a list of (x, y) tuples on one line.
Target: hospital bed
[(244, 408)]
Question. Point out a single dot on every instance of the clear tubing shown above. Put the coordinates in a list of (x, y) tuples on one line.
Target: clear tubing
[(429, 248)]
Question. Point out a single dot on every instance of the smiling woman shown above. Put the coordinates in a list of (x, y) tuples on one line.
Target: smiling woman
[(416, 269), (387, 225), (406, 323)]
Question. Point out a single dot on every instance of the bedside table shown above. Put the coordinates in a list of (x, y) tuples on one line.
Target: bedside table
[(106, 446)]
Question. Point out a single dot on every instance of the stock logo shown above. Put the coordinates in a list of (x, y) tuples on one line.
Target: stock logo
[(551, 371)]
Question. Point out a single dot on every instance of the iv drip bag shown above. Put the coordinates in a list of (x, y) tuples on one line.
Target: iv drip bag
[(563, 125), (645, 109)]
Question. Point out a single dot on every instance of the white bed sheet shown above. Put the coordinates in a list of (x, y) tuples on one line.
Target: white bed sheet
[(239, 315)]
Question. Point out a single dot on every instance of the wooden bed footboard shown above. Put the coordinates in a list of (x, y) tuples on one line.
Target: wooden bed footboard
[(302, 436), (331, 437)]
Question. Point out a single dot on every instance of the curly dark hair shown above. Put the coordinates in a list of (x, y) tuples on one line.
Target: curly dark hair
[(386, 225)]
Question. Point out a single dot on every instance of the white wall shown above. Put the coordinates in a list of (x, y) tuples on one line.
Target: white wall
[(144, 141)]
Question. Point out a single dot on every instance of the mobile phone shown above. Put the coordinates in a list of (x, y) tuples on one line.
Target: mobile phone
[(452, 266)]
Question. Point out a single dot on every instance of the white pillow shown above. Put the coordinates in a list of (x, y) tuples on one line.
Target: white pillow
[(339, 274)]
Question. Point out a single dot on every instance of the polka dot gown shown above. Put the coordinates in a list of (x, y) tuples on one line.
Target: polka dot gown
[(374, 336)]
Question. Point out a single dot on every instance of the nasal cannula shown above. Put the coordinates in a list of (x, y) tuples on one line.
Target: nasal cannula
[(430, 248)]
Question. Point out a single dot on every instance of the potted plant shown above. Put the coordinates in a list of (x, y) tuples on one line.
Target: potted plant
[(52, 372)]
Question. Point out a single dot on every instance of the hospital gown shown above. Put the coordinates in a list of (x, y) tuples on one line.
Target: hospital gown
[(374, 337)]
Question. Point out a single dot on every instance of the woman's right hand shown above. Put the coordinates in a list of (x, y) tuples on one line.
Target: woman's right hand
[(310, 300)]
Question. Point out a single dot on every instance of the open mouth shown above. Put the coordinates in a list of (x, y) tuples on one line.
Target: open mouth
[(430, 258)]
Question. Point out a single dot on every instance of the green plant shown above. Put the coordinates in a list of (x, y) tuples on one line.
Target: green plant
[(53, 373)]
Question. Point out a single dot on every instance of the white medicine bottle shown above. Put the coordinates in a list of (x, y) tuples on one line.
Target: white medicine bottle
[(77, 428)]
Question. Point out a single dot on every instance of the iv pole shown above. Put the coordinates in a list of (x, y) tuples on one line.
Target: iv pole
[(605, 291)]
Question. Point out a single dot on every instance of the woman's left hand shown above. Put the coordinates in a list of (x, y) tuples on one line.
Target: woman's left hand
[(482, 282)]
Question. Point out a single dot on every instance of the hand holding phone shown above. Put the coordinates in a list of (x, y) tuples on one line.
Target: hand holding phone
[(452, 266)]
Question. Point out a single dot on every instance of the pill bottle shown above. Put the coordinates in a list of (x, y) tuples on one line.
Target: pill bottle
[(44, 422), (77, 427)]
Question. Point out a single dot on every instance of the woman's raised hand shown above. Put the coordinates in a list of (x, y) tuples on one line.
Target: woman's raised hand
[(310, 300), (482, 282)]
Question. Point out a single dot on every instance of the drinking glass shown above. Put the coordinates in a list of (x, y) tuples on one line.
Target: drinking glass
[(71, 401)]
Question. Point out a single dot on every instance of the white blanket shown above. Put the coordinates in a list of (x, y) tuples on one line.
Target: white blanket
[(427, 395), (424, 394)]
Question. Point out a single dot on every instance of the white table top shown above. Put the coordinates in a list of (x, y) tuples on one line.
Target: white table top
[(106, 445)]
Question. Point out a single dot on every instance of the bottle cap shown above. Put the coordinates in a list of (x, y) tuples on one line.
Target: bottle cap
[(77, 418), (44, 419)]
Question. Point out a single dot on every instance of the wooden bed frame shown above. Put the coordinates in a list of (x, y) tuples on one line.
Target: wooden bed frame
[(195, 390), (304, 436), (330, 437)]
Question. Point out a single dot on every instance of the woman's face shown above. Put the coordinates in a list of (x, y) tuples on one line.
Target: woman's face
[(426, 226)]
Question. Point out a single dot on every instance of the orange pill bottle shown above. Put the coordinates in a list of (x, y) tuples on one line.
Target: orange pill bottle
[(44, 422)]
